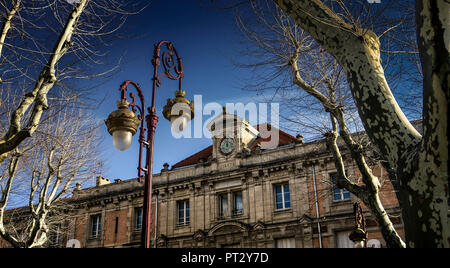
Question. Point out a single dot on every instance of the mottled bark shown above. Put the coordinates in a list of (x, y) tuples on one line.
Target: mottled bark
[(357, 51), (37, 97), (36, 100), (424, 179), (367, 193), (420, 163)]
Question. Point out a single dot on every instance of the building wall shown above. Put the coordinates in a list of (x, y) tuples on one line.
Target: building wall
[(260, 225)]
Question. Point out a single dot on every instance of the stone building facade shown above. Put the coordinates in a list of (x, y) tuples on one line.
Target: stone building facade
[(243, 191)]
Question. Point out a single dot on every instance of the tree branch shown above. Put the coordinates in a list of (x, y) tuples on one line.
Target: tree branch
[(342, 180), (358, 52), (7, 24), (38, 95)]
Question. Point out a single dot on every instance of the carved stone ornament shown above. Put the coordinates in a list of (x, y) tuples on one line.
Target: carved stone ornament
[(162, 241), (199, 235)]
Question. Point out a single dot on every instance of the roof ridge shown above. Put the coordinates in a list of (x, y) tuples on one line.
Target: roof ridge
[(207, 152)]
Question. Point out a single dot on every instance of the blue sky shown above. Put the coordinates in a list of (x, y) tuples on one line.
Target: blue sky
[(206, 39)]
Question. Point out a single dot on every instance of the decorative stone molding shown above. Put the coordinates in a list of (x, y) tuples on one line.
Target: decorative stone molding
[(258, 227), (228, 227), (199, 235), (161, 241)]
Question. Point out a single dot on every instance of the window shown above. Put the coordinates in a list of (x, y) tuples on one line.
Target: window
[(96, 226), (282, 197), (237, 204), (342, 240), (138, 218), (183, 212), (338, 193), (55, 238), (223, 206), (285, 243)]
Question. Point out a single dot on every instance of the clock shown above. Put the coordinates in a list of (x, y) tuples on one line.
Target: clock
[(226, 146)]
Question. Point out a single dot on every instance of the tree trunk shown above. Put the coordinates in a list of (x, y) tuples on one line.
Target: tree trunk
[(421, 163), (368, 193), (424, 177)]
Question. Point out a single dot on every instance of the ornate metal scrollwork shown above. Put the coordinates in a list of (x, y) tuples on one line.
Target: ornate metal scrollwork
[(173, 68)]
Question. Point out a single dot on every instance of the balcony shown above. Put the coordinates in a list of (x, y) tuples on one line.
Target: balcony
[(238, 212), (183, 223)]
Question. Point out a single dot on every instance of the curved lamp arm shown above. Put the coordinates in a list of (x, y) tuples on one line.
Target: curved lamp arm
[(168, 63), (135, 107)]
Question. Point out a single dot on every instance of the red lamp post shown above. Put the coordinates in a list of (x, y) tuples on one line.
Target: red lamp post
[(359, 233), (123, 123)]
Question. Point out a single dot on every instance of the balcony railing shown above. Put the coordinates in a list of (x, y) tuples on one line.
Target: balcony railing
[(238, 212), (182, 223)]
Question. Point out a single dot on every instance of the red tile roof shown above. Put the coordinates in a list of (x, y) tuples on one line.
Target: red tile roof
[(284, 139), (195, 158)]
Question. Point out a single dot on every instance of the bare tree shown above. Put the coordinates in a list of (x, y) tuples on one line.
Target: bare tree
[(419, 162), (46, 47), (279, 45), (47, 42), (42, 170)]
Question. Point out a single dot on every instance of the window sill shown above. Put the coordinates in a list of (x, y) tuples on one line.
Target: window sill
[(94, 238), (282, 210), (237, 213), (342, 201), (182, 224), (230, 218)]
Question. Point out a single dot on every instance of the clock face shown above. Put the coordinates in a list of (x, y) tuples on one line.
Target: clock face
[(227, 145)]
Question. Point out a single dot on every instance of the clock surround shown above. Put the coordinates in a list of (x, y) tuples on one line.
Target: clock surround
[(227, 146)]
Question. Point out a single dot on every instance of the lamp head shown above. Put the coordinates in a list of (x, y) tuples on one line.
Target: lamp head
[(358, 236), (122, 124), (179, 111)]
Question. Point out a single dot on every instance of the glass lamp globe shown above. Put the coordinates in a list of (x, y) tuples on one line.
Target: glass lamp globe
[(179, 112), (122, 139), (179, 123), (122, 124)]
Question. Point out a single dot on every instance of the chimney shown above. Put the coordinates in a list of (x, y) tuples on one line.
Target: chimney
[(102, 181)]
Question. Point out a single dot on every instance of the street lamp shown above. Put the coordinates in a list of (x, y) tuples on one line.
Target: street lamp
[(359, 233), (123, 123)]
